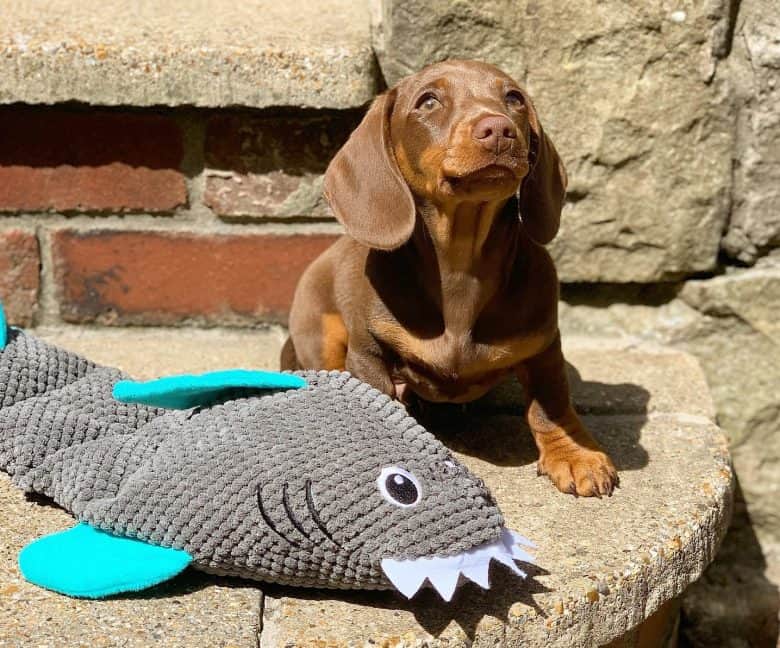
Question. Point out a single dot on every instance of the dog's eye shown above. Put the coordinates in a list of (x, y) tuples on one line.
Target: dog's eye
[(428, 101), (515, 100), (399, 486)]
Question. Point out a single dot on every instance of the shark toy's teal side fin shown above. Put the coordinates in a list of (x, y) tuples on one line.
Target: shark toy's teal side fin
[(3, 328), (185, 391), (87, 563)]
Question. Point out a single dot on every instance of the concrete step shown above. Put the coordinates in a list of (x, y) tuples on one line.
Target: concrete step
[(604, 566), (257, 53)]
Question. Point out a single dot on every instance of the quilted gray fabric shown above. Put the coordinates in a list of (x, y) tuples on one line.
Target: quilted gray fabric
[(281, 486)]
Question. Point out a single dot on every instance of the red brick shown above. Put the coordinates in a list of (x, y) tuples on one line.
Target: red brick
[(271, 167), (20, 263), (60, 160), (151, 277)]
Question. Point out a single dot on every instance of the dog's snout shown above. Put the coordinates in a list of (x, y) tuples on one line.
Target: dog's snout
[(495, 133)]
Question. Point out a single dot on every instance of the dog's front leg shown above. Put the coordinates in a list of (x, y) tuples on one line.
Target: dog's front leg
[(364, 361), (568, 454)]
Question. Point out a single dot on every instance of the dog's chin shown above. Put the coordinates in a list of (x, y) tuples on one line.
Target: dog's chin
[(492, 182)]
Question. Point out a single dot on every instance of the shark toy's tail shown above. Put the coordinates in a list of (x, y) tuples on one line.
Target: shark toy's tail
[(51, 399), (30, 367)]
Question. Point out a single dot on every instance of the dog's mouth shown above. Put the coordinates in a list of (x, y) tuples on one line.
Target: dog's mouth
[(493, 176), (487, 174)]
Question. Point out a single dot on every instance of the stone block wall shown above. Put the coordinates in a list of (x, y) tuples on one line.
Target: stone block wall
[(666, 114), (628, 93)]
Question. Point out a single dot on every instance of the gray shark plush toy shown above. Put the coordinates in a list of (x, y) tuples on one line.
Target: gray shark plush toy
[(311, 479)]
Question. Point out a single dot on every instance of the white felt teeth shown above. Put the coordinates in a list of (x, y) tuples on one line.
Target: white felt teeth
[(444, 573), (445, 582)]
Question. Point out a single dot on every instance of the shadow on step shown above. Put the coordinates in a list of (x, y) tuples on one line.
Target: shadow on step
[(469, 608), (493, 428)]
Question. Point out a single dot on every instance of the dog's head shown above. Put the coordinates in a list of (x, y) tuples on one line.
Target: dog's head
[(457, 131)]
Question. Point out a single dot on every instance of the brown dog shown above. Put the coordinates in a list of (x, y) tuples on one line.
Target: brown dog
[(447, 190)]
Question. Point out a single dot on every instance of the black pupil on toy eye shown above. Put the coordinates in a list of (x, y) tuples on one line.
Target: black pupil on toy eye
[(401, 488)]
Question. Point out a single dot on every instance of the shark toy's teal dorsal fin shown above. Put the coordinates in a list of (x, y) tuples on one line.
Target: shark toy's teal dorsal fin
[(3, 328), (87, 563), (185, 391)]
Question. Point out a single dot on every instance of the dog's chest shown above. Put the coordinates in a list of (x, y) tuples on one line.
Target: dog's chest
[(455, 335), (452, 366)]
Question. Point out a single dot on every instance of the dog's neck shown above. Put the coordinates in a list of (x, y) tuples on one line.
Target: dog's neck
[(464, 252), (462, 234)]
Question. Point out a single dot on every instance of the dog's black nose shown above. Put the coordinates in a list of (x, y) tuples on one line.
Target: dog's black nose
[(495, 133)]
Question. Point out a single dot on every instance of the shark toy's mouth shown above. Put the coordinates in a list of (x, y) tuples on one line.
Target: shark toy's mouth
[(444, 573)]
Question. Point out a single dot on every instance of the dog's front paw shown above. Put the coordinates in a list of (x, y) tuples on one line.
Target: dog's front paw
[(579, 471)]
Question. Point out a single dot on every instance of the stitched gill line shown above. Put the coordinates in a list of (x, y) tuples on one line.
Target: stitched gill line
[(268, 520), (315, 517), (291, 514)]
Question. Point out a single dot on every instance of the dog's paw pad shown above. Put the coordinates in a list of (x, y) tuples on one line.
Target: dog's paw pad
[(580, 471)]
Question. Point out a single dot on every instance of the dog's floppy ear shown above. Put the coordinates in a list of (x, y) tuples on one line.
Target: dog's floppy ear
[(364, 186), (544, 188)]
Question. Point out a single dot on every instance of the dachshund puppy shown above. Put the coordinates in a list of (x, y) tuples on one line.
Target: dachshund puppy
[(448, 190)]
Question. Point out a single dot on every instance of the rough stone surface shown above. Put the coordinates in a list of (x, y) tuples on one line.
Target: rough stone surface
[(271, 167), (603, 565), (19, 275), (67, 160), (753, 68), (730, 324), (256, 53), (735, 604), (152, 277), (629, 97), (491, 30)]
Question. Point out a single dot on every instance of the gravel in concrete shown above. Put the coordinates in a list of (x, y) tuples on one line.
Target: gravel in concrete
[(256, 53)]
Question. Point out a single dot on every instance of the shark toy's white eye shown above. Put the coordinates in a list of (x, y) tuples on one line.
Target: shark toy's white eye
[(399, 486)]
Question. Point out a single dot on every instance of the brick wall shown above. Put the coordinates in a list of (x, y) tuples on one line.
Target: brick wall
[(161, 217)]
